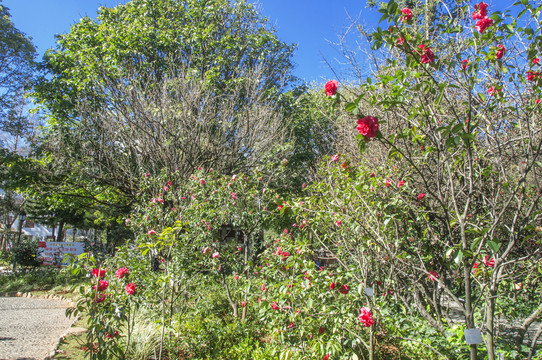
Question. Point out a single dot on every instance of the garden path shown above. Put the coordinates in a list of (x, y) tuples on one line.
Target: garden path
[(29, 327)]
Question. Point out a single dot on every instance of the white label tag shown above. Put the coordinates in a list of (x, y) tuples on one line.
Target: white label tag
[(473, 336), (369, 291)]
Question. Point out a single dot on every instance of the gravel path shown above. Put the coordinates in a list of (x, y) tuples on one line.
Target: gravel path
[(29, 327)]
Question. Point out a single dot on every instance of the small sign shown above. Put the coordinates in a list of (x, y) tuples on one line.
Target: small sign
[(52, 253), (369, 291), (473, 336)]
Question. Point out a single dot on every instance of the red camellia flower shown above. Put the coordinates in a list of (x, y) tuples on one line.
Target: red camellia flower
[(465, 64), (480, 11), (421, 196), (406, 14), (492, 90), (234, 196), (100, 298), (243, 303), (98, 273), (368, 126), (400, 41), (130, 288), (401, 183), (121, 272), (274, 306), (500, 53), (202, 181), (536, 60), (532, 75), (215, 255), (331, 87), (109, 336), (335, 157), (432, 275), (427, 55), (291, 325), (326, 357), (344, 289), (366, 317), (483, 24), (263, 287), (338, 222), (332, 286), (151, 232), (489, 262), (321, 330), (388, 183)]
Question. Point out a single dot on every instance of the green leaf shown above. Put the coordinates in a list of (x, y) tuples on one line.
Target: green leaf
[(493, 245)]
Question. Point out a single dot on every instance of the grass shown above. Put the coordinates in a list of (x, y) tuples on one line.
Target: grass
[(70, 348), (45, 279)]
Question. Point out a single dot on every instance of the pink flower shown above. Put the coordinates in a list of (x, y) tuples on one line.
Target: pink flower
[(500, 53), (388, 183), (243, 303), (99, 273), (121, 272), (483, 24), (335, 157), (274, 306), (147, 174), (489, 262), (263, 288), (480, 11), (421, 196), (291, 325), (206, 249), (401, 183), (366, 317), (215, 255), (332, 286), (338, 222), (331, 87), (344, 289), (432, 275), (166, 188), (465, 64), (151, 232), (492, 90), (234, 196), (368, 126), (102, 285), (202, 181), (130, 288), (536, 60), (400, 41), (236, 277), (532, 75), (427, 55), (406, 14)]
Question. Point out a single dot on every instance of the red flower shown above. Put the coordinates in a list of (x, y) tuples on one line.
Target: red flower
[(432, 275), (401, 183), (366, 317), (100, 298), (215, 255), (335, 157), (202, 181), (321, 330), (326, 357), (263, 288), (406, 14), (99, 273), (532, 75), (338, 222), (489, 262), (536, 60), (483, 24), (492, 90), (480, 11), (234, 196), (465, 64), (109, 336), (421, 196), (388, 183), (151, 232), (243, 303), (400, 41), (344, 165), (121, 272), (344, 289), (332, 286), (274, 306), (427, 55), (368, 126), (130, 288), (331, 87), (537, 101), (500, 53), (291, 325)]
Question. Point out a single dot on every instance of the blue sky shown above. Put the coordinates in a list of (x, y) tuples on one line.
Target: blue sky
[(309, 24)]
